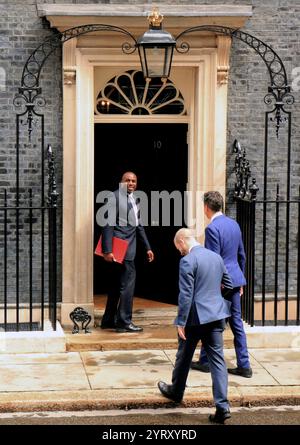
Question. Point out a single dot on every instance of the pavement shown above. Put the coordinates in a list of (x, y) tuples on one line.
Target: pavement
[(105, 370), (127, 379)]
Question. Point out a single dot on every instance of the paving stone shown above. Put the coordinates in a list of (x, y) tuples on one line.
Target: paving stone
[(144, 357), (285, 373), (230, 357), (276, 355), (22, 359), (43, 377), (261, 377), (127, 376)]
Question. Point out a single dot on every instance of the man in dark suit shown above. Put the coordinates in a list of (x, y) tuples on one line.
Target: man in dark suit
[(127, 226), (223, 236), (201, 314)]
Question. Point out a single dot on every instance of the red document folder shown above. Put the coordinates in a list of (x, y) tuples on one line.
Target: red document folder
[(119, 248)]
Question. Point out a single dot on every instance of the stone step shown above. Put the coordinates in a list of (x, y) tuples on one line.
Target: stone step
[(153, 312), (153, 337), (145, 321), (146, 317)]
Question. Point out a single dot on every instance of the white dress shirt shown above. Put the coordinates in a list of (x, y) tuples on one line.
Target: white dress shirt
[(216, 215), (135, 209)]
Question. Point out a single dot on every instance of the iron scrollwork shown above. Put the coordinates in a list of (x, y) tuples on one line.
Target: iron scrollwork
[(243, 189), (52, 192), (26, 100), (278, 98), (79, 315), (35, 62), (279, 92), (29, 94)]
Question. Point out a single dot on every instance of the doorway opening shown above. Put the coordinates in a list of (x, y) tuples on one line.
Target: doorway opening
[(158, 154)]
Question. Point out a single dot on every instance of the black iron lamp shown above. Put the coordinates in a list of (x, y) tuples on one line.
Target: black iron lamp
[(156, 48)]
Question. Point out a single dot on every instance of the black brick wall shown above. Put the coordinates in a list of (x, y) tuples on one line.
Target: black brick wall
[(21, 31)]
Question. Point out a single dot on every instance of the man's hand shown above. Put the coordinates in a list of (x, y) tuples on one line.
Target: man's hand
[(109, 257), (241, 291), (181, 332), (150, 255)]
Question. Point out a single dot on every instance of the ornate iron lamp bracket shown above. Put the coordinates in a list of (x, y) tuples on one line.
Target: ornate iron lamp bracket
[(279, 91), (29, 94), (30, 91)]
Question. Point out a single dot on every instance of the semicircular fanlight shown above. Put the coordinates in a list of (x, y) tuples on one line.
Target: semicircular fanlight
[(131, 93)]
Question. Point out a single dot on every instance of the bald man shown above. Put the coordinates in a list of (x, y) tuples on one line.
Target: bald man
[(118, 311), (201, 314)]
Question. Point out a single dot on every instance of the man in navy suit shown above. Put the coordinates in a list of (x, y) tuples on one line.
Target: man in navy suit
[(223, 236), (127, 226), (201, 314)]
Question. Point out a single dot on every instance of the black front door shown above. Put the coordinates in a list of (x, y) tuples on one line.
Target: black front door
[(157, 153)]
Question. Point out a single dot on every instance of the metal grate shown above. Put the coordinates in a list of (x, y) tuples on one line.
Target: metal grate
[(12, 327)]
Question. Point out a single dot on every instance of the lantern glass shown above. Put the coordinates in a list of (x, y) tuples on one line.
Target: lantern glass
[(155, 61), (156, 50)]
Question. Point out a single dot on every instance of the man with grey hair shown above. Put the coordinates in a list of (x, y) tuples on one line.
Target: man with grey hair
[(201, 314)]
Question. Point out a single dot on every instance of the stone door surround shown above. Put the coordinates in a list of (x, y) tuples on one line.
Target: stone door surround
[(90, 56)]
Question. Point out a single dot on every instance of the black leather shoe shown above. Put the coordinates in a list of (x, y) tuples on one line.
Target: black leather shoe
[(200, 367), (220, 416), (243, 372), (129, 328), (166, 391)]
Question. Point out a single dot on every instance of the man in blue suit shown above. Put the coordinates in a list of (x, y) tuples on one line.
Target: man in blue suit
[(201, 314), (223, 236)]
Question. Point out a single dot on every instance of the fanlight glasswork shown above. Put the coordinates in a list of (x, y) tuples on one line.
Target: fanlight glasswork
[(130, 93)]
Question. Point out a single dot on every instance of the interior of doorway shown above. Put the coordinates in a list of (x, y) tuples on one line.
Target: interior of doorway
[(158, 154)]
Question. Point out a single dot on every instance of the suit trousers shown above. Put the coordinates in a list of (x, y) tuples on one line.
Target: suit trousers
[(237, 327), (120, 295), (211, 335)]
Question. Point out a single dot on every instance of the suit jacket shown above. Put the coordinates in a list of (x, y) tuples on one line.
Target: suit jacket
[(200, 300), (223, 236), (125, 225)]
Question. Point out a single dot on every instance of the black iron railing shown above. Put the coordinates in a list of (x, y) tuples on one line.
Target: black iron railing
[(270, 230), (272, 294), (246, 220), (28, 257), (23, 266), (52, 231)]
